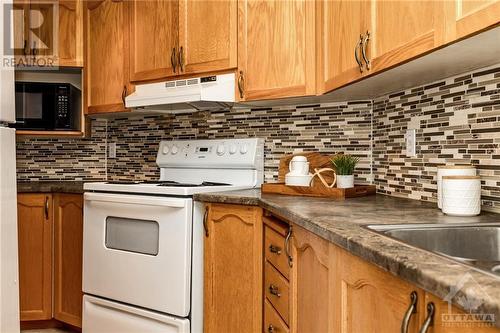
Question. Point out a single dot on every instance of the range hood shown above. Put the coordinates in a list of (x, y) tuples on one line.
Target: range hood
[(186, 95)]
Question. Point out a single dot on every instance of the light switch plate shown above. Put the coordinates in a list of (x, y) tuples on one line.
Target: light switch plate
[(112, 150), (411, 143)]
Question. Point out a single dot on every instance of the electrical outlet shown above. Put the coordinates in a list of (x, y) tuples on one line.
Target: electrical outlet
[(411, 143), (112, 150)]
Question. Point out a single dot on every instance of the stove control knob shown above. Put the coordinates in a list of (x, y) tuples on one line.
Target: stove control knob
[(221, 149), (244, 149), (232, 149), (165, 150), (174, 150)]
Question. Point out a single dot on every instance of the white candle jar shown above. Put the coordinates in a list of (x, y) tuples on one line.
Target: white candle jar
[(461, 195), (451, 171)]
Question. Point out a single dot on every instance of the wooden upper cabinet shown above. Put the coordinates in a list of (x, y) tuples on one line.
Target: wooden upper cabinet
[(341, 25), (470, 16), (153, 39), (107, 69), (276, 48), (71, 33), (68, 247), (207, 35), (370, 300), (35, 256), (401, 30), (233, 269)]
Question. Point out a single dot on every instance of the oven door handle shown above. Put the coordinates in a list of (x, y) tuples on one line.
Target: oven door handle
[(137, 200)]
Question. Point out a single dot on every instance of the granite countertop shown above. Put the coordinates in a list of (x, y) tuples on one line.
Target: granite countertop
[(65, 186), (343, 223)]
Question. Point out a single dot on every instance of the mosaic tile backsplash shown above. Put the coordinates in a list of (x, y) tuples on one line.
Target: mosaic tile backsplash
[(457, 121)]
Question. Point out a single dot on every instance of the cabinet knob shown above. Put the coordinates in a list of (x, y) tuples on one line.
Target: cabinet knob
[(274, 290), (271, 329), (275, 249), (366, 39)]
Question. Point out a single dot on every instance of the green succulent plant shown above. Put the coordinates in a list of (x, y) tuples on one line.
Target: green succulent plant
[(344, 164)]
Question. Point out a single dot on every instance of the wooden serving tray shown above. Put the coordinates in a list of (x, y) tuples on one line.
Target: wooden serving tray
[(316, 160), (319, 191)]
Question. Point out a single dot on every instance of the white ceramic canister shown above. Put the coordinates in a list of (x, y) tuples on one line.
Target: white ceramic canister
[(462, 170), (461, 195)]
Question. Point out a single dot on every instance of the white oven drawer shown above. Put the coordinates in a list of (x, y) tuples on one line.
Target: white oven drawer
[(103, 316), (137, 250)]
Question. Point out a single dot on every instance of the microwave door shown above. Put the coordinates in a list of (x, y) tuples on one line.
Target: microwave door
[(35, 106)]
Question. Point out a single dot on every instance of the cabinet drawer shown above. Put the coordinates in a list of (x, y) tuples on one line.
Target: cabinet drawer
[(274, 249), (277, 291), (272, 321)]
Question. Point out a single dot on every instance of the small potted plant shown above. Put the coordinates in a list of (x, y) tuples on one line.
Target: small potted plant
[(344, 166)]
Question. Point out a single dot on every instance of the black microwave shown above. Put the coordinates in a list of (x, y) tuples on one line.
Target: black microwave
[(47, 106)]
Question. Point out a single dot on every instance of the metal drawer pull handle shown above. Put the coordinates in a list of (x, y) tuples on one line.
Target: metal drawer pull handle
[(46, 208), (428, 320), (363, 50), (411, 310), (271, 329), (356, 51), (275, 249), (173, 59), (205, 222), (241, 84), (274, 290), (287, 247)]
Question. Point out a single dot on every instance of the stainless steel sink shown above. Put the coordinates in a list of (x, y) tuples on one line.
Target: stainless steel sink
[(477, 245)]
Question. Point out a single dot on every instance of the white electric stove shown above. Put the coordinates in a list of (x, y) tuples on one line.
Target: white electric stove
[(143, 241)]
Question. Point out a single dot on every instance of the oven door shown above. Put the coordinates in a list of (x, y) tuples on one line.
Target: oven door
[(137, 250)]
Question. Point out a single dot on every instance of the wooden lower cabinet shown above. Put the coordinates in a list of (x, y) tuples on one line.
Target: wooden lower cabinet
[(233, 269), (35, 255), (263, 274), (68, 245), (50, 235), (312, 283), (368, 299)]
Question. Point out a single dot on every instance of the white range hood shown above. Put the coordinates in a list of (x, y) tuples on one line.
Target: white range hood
[(186, 95)]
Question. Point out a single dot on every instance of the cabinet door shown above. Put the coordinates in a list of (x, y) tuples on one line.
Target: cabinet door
[(70, 33), (369, 299), (42, 21), (21, 28), (312, 283), (35, 256), (401, 30), (233, 269), (276, 50), (153, 39), (68, 245), (107, 60), (445, 322), (466, 17), (342, 23), (208, 35)]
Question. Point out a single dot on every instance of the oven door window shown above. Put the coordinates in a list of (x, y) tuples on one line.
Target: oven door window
[(132, 235)]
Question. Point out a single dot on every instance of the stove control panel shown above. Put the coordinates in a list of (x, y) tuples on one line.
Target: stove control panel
[(228, 153)]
